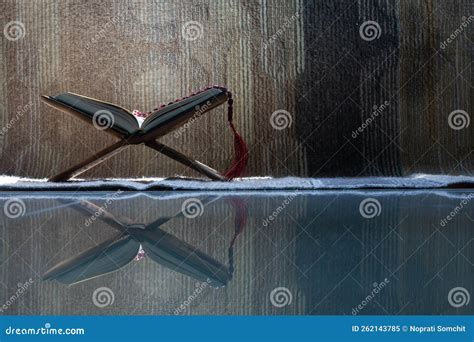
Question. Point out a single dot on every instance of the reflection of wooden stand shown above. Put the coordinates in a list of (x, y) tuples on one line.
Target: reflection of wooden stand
[(122, 248), (149, 139)]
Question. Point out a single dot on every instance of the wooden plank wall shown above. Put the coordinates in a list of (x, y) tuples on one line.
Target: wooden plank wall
[(305, 57)]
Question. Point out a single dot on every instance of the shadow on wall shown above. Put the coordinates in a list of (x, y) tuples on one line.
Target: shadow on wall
[(381, 94)]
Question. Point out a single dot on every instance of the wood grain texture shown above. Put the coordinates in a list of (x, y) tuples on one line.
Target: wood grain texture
[(436, 81), (305, 57)]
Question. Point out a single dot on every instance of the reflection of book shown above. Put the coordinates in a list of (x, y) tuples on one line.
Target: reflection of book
[(108, 256), (137, 128), (121, 249)]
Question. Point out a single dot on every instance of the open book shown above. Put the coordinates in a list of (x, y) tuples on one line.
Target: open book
[(123, 121), (144, 128)]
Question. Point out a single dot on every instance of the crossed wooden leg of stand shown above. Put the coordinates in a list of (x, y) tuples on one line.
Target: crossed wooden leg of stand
[(113, 149)]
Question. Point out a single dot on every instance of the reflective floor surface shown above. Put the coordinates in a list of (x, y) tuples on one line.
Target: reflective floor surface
[(245, 253)]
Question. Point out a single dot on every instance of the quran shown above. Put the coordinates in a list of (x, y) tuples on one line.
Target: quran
[(135, 127)]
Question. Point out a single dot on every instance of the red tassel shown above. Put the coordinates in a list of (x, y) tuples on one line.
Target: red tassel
[(240, 147)]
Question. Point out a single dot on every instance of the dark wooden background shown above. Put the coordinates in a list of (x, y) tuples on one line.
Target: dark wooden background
[(305, 57)]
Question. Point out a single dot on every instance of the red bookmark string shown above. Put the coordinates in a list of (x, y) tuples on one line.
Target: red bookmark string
[(240, 147)]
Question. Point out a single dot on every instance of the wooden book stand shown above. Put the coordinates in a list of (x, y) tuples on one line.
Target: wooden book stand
[(145, 128)]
